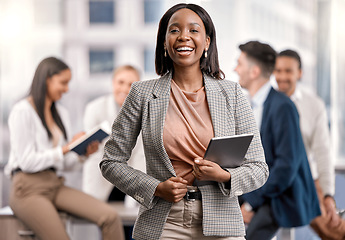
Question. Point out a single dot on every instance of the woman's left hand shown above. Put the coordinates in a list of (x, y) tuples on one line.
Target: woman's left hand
[(92, 148), (210, 171)]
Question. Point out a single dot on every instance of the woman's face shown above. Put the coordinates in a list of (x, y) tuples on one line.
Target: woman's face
[(58, 84), (186, 39)]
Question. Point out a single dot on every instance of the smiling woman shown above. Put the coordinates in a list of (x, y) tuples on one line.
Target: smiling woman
[(182, 195), (39, 132), (58, 85)]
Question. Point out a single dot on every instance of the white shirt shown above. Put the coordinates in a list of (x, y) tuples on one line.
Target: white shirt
[(257, 103), (31, 149), (97, 111), (316, 138), (258, 100)]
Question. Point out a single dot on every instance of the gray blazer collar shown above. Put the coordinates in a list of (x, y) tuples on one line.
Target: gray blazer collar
[(211, 84), (162, 87)]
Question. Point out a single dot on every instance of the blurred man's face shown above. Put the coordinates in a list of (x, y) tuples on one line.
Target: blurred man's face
[(243, 70), (287, 74), (122, 82)]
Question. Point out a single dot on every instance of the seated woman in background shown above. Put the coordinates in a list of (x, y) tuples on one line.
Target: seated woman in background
[(39, 131)]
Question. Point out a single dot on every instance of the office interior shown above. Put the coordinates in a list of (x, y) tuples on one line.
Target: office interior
[(96, 36)]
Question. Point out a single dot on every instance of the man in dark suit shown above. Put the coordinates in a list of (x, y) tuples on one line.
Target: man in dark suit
[(288, 198)]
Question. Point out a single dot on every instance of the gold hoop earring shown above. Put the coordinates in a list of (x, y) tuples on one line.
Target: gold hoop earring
[(206, 54)]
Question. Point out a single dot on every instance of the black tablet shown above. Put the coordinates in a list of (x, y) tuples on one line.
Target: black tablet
[(228, 151)]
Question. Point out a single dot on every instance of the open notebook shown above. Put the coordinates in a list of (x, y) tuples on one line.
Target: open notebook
[(98, 133)]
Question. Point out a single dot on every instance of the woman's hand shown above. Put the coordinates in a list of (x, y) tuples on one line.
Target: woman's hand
[(66, 148), (208, 170), (172, 190), (92, 148), (78, 135)]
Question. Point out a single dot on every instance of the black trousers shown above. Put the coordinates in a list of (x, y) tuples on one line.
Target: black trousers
[(263, 225)]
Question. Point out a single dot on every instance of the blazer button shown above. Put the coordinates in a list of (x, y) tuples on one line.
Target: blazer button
[(140, 199)]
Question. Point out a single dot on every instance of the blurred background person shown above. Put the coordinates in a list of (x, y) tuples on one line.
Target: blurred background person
[(106, 108), (288, 198), (39, 135), (315, 133)]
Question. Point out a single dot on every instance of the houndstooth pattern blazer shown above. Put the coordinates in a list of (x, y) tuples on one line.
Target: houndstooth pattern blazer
[(145, 110)]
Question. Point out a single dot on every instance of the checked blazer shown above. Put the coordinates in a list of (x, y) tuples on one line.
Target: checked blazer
[(145, 110)]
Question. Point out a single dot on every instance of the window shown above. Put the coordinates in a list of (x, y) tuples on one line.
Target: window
[(331, 72), (102, 12), (101, 61), (149, 60), (153, 11)]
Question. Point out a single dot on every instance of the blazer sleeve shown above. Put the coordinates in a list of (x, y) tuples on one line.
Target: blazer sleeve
[(118, 149), (254, 172), (288, 154)]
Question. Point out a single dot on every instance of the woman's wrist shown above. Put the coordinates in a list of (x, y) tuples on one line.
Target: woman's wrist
[(157, 191), (226, 179), (65, 149), (225, 176)]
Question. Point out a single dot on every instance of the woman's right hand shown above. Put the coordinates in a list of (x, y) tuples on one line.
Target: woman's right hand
[(66, 149), (172, 190)]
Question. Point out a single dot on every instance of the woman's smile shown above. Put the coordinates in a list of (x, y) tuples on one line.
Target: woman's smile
[(184, 51)]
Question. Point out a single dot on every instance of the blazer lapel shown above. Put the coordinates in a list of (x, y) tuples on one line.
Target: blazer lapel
[(217, 105), (158, 109), (265, 111)]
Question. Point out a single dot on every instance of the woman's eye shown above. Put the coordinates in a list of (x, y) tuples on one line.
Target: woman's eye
[(194, 30), (173, 30)]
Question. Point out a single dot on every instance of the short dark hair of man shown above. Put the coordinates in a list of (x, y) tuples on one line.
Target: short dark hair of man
[(262, 54), (293, 54)]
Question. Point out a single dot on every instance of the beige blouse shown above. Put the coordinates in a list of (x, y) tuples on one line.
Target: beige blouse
[(187, 129)]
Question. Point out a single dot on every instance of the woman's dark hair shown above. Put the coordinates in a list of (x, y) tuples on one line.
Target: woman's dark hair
[(46, 69), (208, 65)]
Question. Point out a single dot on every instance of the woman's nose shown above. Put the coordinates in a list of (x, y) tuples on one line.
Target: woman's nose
[(184, 35)]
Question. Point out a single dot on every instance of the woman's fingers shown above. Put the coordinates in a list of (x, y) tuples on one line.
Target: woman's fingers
[(92, 147), (179, 180), (173, 189)]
